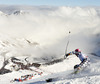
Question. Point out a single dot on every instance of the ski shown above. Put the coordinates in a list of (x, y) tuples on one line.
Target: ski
[(75, 72)]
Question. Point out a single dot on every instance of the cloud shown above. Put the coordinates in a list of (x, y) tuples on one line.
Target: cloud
[(49, 26)]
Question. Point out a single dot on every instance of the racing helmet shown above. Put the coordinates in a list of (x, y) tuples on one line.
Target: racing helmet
[(77, 50)]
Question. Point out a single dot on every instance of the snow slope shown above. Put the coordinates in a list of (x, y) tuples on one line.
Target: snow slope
[(40, 34)]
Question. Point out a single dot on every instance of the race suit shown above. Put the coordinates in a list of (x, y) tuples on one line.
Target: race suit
[(83, 58)]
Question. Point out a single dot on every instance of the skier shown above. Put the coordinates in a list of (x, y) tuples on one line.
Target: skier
[(83, 58)]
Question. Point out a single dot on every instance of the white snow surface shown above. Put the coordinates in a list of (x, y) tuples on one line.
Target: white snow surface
[(41, 34)]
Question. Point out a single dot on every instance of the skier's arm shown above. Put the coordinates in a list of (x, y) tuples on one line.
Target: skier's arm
[(69, 54)]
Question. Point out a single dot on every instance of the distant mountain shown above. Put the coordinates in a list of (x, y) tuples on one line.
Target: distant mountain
[(19, 12), (2, 14)]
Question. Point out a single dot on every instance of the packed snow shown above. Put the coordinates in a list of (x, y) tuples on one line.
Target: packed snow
[(39, 34)]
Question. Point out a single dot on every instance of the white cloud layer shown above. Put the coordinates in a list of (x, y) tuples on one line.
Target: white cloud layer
[(49, 26)]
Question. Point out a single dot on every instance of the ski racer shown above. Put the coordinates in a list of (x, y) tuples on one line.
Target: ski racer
[(83, 58)]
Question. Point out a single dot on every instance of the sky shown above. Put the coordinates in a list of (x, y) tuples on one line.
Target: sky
[(52, 2)]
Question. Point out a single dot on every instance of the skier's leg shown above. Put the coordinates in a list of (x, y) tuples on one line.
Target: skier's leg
[(85, 63)]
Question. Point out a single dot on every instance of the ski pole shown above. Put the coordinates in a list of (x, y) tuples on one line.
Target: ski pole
[(67, 43)]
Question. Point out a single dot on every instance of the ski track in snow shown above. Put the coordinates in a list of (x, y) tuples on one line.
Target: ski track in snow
[(40, 35)]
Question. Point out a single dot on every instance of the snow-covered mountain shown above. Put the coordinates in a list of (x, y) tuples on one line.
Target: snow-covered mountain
[(2, 14), (20, 12), (39, 35)]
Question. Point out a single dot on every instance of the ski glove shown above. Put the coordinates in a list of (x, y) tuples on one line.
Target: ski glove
[(67, 54)]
